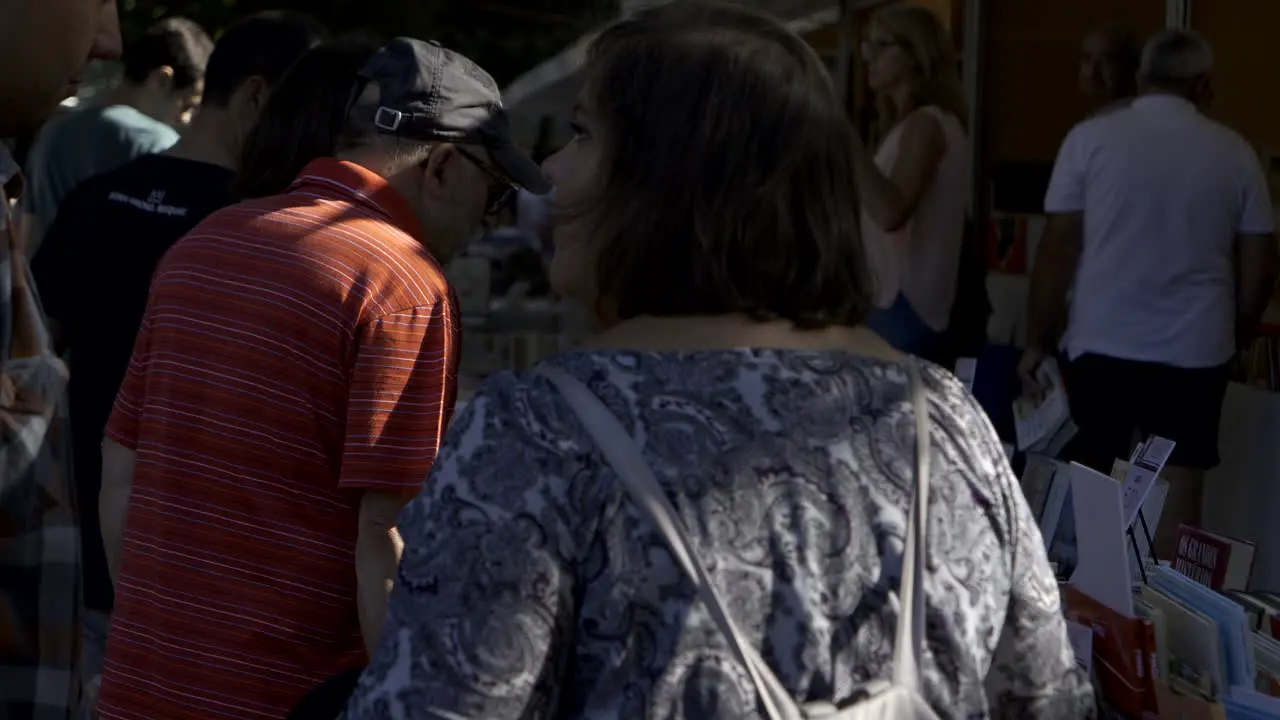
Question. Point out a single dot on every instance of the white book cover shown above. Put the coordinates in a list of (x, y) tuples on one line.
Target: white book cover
[(1036, 420), (1102, 552)]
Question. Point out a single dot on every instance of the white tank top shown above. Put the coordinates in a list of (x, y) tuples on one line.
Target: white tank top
[(921, 259)]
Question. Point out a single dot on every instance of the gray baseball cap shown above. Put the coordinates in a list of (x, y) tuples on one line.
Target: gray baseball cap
[(431, 93)]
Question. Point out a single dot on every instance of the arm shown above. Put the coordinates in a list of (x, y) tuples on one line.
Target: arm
[(1057, 258), (119, 452), (401, 394), (489, 565), (30, 230), (890, 200), (1056, 261), (1256, 261), (1256, 252), (378, 551), (113, 501)]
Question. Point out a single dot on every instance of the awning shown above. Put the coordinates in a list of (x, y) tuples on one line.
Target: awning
[(552, 86)]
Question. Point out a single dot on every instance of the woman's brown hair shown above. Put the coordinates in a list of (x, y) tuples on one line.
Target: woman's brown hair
[(927, 41), (728, 181)]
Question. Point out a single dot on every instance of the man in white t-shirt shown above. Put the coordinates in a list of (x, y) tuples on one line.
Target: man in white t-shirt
[(1162, 220)]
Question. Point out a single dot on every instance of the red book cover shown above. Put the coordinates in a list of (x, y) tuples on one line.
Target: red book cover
[(1007, 244), (1123, 655), (1216, 561)]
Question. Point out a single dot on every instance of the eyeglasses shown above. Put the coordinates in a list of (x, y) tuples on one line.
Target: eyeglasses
[(501, 189), (872, 47)]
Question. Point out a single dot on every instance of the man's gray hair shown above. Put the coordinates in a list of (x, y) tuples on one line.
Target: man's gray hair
[(362, 136), (1175, 57)]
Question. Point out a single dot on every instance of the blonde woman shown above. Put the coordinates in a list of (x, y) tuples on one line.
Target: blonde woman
[(914, 188)]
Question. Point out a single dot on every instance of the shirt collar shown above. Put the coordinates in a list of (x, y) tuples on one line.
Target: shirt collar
[(1164, 101), (347, 180)]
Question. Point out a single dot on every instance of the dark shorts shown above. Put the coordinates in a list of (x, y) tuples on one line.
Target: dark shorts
[(1117, 403)]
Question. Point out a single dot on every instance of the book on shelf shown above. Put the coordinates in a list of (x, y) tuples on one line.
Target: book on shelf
[(1217, 561), (1264, 615), (1124, 654), (1259, 364)]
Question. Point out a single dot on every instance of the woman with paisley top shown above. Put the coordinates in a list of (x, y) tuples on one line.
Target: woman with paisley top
[(703, 211)]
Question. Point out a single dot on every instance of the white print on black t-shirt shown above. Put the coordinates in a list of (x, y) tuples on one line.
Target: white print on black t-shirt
[(154, 203)]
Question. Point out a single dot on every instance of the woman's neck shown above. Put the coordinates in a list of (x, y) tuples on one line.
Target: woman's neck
[(903, 98), (209, 139), (727, 332)]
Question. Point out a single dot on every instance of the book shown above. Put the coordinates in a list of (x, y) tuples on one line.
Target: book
[(1122, 654), (1102, 551), (1258, 612), (1038, 421), (1160, 651), (1213, 560), (1192, 643)]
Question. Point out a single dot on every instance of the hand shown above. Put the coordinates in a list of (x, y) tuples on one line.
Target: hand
[(90, 697), (1031, 359)]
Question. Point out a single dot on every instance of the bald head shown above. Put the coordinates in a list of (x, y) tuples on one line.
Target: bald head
[(1109, 59)]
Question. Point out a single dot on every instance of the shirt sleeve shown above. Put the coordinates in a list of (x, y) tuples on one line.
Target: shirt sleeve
[(480, 622), (1034, 672), (1256, 213), (1066, 191), (401, 394), (127, 412)]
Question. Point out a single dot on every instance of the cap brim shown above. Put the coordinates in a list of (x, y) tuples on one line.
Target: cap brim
[(522, 171)]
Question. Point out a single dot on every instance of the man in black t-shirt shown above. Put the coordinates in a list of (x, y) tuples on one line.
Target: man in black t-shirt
[(94, 268)]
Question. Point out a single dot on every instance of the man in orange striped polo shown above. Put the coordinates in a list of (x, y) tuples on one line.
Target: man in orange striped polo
[(288, 392)]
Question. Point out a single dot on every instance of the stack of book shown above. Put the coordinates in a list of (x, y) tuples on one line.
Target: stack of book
[(1177, 637), (1259, 365)]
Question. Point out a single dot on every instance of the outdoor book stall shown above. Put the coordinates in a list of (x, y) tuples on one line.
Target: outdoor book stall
[(1189, 636)]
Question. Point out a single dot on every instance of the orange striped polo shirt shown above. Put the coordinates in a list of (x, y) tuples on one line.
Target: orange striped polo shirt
[(296, 350)]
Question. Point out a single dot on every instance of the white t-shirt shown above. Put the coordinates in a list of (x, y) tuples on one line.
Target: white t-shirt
[(920, 259), (1164, 191)]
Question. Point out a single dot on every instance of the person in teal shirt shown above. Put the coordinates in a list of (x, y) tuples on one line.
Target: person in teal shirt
[(162, 84)]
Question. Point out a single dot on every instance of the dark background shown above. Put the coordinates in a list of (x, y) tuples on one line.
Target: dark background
[(506, 37)]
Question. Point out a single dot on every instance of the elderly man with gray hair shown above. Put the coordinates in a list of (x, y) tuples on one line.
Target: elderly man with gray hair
[(1162, 220), (289, 389)]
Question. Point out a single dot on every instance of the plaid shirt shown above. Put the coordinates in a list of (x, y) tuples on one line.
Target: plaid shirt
[(39, 528)]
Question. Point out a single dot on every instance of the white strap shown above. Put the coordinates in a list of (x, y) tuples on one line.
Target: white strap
[(624, 456)]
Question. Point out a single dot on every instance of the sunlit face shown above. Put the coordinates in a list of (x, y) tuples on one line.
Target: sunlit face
[(45, 47), (888, 63), (184, 104), (162, 101), (576, 173)]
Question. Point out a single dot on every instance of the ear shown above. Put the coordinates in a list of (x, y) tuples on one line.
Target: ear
[(252, 95), (1204, 91), (161, 78), (437, 165)]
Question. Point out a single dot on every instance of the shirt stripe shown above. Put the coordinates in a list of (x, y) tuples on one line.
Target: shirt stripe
[(295, 349)]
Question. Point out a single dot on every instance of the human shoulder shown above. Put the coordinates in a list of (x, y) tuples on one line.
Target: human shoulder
[(1231, 141), (138, 129), (962, 421), (924, 127), (518, 438)]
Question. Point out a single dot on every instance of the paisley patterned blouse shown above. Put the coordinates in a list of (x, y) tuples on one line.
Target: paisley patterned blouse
[(531, 587)]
